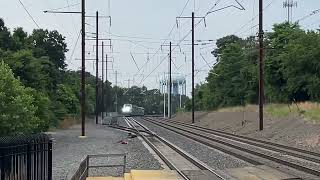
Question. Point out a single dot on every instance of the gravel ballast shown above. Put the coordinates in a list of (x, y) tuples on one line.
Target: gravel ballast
[(213, 158), (69, 149)]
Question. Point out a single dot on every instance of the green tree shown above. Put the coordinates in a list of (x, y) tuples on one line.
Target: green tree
[(17, 109)]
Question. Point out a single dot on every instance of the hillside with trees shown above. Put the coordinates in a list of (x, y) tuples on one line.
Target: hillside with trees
[(291, 69)]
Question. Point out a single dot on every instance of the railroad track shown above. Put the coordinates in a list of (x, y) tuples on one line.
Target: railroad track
[(158, 143), (251, 150)]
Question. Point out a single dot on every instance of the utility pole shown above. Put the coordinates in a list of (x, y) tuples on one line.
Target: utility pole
[(261, 66), (169, 80), (97, 65), (164, 95), (83, 60), (289, 4), (192, 73), (116, 92), (106, 108), (192, 67), (129, 80), (170, 84), (83, 69), (102, 85)]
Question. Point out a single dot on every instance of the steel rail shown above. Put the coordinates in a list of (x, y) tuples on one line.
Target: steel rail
[(199, 164), (253, 142), (167, 161), (280, 161)]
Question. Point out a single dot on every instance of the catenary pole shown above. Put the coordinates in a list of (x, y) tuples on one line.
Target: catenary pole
[(102, 84), (164, 95), (97, 65), (170, 85), (83, 69), (106, 103), (192, 67), (261, 66), (116, 91)]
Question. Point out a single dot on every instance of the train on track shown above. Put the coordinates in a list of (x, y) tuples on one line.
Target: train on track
[(132, 110)]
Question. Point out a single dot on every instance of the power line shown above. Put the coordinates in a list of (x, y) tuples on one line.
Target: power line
[(68, 6), (186, 4), (74, 47), (254, 18), (180, 40), (29, 14), (309, 15)]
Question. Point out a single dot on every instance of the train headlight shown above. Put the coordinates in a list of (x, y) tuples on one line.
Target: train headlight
[(126, 109)]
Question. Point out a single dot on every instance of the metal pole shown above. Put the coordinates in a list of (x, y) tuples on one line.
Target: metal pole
[(106, 108), (192, 67), (164, 96), (170, 85), (288, 11), (83, 69), (116, 91), (181, 91), (261, 78), (97, 65), (102, 85)]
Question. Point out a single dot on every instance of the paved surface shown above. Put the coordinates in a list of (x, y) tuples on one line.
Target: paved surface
[(69, 149)]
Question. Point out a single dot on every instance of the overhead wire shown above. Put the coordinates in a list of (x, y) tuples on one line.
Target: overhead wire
[(30, 16), (158, 50), (74, 47), (181, 39), (254, 18)]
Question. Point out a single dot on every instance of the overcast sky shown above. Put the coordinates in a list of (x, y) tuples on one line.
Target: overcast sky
[(141, 26)]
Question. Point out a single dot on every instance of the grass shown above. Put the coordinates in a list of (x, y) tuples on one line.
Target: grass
[(308, 110), (247, 108), (280, 110)]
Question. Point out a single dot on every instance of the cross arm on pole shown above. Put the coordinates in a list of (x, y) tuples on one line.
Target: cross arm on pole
[(240, 7), (189, 17)]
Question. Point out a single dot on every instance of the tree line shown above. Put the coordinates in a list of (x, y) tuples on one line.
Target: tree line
[(37, 91), (292, 62)]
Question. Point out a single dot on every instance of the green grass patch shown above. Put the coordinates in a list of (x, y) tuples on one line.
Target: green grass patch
[(280, 110), (313, 114), (308, 110)]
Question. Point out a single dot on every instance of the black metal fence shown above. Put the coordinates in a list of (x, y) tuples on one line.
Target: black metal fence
[(26, 157), (83, 171)]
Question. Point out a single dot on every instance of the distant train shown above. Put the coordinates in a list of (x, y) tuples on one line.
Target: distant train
[(132, 110)]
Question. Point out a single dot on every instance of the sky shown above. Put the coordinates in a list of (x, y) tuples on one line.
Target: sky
[(142, 29)]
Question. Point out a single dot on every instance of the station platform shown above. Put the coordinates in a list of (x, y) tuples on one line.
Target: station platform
[(143, 175)]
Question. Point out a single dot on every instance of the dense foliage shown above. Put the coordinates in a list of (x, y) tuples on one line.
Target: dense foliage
[(38, 92), (18, 109), (291, 69), (36, 89)]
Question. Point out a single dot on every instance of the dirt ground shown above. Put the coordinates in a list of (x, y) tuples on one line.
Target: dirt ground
[(292, 131)]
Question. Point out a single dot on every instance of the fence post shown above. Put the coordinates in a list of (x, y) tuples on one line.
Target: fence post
[(50, 160), (124, 163), (29, 161)]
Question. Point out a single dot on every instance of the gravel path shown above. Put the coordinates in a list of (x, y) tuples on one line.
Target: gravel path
[(69, 149), (211, 157)]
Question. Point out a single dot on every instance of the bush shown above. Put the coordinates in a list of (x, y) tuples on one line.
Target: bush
[(17, 109)]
